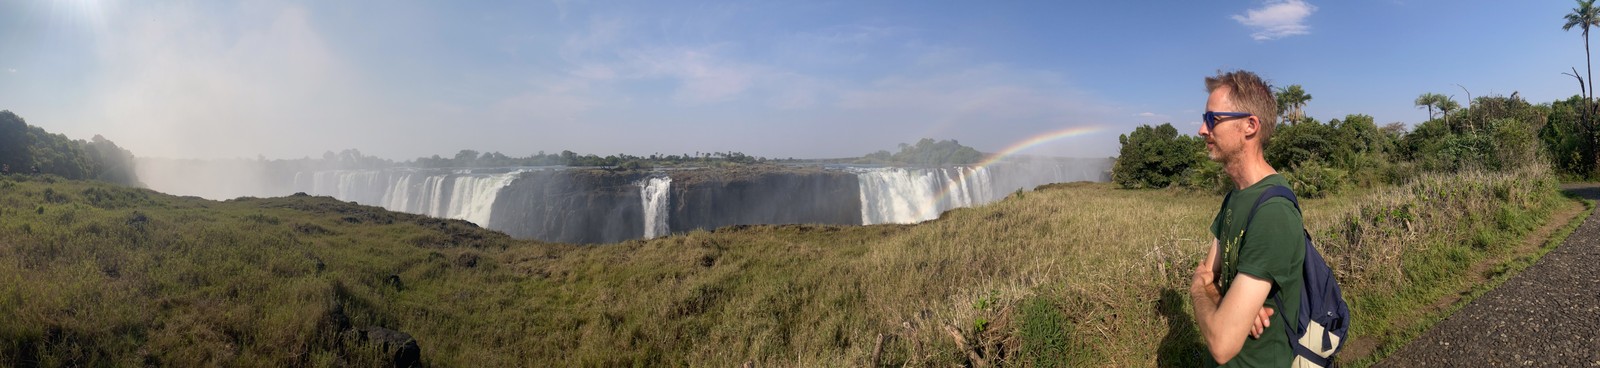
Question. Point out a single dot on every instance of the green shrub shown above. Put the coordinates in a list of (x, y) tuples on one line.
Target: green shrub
[(1156, 157), (1208, 176), (1514, 144), (1296, 144), (1315, 180), (1563, 138)]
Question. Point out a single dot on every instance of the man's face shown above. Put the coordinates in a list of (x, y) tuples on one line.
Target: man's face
[(1227, 138)]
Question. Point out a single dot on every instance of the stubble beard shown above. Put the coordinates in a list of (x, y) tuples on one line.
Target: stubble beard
[(1214, 152)]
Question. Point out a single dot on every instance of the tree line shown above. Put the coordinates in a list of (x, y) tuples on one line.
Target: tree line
[(1492, 132), (1319, 158), (925, 152), (26, 149)]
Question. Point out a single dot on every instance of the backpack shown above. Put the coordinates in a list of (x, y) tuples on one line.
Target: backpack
[(1324, 316)]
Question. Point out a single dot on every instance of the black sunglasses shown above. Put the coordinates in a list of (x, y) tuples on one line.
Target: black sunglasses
[(1213, 117)]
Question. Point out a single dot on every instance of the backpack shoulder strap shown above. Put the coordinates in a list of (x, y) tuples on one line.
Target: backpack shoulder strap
[(1272, 192)]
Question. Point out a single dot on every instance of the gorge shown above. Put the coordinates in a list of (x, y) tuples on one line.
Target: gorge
[(591, 205)]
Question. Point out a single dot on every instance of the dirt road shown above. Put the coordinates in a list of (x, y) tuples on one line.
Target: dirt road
[(1547, 316)]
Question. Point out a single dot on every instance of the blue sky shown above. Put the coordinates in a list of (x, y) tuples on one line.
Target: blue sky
[(197, 79)]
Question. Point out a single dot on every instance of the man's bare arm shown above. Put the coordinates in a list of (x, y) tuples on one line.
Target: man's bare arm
[(1225, 322)]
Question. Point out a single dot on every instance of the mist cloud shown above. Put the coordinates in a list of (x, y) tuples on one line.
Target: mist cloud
[(186, 84)]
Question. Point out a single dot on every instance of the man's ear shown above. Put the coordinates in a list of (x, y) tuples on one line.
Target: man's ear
[(1252, 126)]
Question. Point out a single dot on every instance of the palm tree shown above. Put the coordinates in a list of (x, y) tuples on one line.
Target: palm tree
[(1429, 101), (1445, 104), (1293, 99), (1583, 16), (1435, 101)]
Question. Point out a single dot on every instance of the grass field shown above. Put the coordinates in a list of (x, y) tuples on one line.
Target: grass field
[(1070, 274)]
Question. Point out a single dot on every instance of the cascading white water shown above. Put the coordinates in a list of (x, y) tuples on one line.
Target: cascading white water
[(654, 193), (911, 195), (435, 204), (396, 197), (458, 195), (472, 197)]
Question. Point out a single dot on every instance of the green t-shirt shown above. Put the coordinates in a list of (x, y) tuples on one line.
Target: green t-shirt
[(1273, 248)]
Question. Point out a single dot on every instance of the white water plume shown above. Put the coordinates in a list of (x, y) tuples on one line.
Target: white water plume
[(911, 195), (457, 195), (654, 194)]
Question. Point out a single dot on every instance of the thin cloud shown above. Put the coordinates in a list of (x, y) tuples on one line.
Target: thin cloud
[(1278, 19), (11, 70)]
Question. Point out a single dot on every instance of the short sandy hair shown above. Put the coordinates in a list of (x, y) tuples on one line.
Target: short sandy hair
[(1249, 94)]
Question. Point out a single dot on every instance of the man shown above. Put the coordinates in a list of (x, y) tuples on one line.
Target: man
[(1232, 285)]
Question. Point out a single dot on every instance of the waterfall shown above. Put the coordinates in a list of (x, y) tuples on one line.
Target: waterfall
[(911, 195), (569, 206), (396, 197), (653, 192), (458, 195), (434, 205), (472, 197), (898, 195)]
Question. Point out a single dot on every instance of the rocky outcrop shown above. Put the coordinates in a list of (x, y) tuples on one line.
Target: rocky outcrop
[(604, 206), (713, 198), (572, 206), (397, 346)]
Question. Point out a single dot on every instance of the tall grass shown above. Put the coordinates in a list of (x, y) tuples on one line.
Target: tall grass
[(1074, 274)]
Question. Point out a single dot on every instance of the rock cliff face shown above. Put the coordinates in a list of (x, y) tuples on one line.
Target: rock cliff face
[(571, 206), (586, 206), (598, 206), (711, 198)]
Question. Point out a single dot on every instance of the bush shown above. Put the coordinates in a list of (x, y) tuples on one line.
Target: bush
[(1208, 176), (1156, 157), (1515, 145), (1314, 180), (1293, 145), (1496, 133), (1563, 138)]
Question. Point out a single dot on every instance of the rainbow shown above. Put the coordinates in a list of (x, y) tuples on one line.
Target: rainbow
[(1023, 145), (1036, 140)]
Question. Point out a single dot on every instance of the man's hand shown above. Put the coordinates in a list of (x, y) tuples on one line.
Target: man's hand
[(1204, 280), (1263, 320)]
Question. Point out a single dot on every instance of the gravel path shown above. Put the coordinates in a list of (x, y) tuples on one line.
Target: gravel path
[(1546, 316)]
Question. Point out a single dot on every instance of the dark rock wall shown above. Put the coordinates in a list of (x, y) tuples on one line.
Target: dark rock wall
[(571, 206), (709, 199), (598, 206)]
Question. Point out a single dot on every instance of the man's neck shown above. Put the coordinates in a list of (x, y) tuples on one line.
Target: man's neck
[(1248, 170)]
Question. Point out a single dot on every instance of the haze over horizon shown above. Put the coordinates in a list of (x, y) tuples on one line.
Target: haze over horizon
[(775, 79)]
